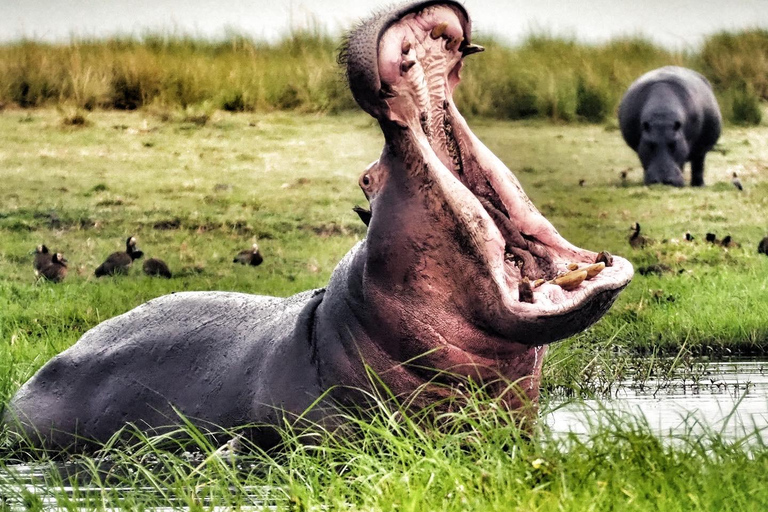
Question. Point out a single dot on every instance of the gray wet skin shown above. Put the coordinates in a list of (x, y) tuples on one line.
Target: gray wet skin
[(670, 116), (431, 295)]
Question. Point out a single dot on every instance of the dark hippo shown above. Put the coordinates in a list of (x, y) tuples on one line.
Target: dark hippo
[(429, 298), (670, 116)]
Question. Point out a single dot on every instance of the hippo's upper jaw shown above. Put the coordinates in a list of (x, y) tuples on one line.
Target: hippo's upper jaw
[(451, 225)]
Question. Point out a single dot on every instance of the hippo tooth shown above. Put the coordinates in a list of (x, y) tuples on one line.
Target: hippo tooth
[(406, 65), (605, 257), (438, 30), (573, 266), (406, 47), (538, 282), (471, 48), (525, 292), (571, 280), (594, 269)]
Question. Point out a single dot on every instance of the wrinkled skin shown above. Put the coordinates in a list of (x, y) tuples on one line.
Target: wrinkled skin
[(428, 299), (670, 116)]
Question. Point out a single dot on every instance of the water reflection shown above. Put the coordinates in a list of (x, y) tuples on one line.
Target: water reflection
[(730, 398)]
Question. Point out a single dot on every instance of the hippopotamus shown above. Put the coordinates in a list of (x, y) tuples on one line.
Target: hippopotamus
[(670, 116), (459, 277)]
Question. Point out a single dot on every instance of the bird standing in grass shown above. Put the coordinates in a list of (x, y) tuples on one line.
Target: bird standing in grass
[(250, 256), (157, 267), (728, 241), (712, 238), (737, 182), (762, 247), (43, 257), (120, 262), (636, 240), (365, 215), (56, 269)]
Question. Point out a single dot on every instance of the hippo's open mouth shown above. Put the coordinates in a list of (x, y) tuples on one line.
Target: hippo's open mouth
[(406, 80)]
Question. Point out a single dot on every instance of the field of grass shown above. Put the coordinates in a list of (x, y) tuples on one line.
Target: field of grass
[(195, 193), (544, 77)]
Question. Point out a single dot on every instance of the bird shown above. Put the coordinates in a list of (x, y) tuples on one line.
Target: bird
[(762, 247), (582, 182), (636, 240), (736, 182), (156, 267), (250, 256), (689, 237), (43, 257), (56, 269), (728, 241), (712, 238), (119, 262), (655, 268), (365, 215)]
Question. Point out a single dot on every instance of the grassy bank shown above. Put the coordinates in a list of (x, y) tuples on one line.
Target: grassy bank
[(195, 195), (544, 77)]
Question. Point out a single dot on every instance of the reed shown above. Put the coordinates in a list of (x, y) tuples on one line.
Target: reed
[(543, 77)]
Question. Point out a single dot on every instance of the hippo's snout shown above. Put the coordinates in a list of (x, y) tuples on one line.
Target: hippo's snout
[(665, 175)]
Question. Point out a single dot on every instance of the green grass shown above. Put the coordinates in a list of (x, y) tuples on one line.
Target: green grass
[(194, 194), (543, 77), (475, 459)]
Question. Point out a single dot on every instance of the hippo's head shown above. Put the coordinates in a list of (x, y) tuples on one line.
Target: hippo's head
[(663, 148), (455, 247)]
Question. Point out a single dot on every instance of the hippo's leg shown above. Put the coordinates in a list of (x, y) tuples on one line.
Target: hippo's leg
[(697, 170)]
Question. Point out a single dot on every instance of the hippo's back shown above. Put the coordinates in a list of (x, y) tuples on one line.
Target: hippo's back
[(220, 359)]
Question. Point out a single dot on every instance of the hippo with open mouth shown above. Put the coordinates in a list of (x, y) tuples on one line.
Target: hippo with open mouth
[(459, 277)]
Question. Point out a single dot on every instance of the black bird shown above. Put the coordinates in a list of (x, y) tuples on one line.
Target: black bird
[(689, 237), (736, 182), (43, 257), (156, 267), (727, 241), (712, 238), (762, 247), (250, 256), (365, 215), (582, 182), (636, 240), (656, 268), (120, 262), (56, 269)]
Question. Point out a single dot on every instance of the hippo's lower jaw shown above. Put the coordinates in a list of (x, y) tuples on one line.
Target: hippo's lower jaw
[(512, 274)]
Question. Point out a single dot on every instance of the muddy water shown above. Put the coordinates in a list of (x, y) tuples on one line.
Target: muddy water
[(730, 398)]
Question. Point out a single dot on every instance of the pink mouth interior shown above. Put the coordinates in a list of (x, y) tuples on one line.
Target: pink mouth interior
[(420, 58)]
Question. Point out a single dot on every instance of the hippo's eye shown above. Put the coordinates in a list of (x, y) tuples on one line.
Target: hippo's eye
[(677, 125), (672, 145), (646, 126), (366, 180)]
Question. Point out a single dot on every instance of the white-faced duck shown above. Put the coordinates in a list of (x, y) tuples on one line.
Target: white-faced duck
[(762, 247), (56, 269), (156, 267), (728, 241), (689, 237), (250, 256), (737, 182), (712, 238), (42, 258), (636, 240), (120, 262), (364, 214)]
